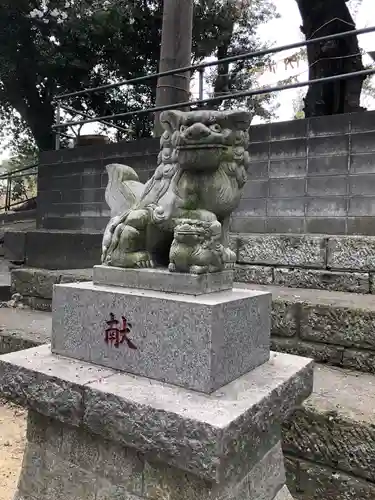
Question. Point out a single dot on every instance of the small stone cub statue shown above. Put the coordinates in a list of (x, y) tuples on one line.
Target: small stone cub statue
[(196, 248)]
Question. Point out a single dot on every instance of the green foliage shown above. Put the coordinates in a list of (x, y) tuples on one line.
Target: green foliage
[(49, 47), (23, 184), (237, 34)]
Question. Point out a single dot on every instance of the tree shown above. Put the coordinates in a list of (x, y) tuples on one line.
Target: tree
[(49, 47), (334, 57), (60, 46)]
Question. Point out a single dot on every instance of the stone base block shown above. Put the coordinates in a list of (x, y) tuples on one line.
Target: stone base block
[(161, 280), (199, 342), (94, 433), (63, 462)]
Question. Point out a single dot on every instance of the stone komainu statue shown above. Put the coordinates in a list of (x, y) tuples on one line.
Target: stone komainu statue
[(180, 217)]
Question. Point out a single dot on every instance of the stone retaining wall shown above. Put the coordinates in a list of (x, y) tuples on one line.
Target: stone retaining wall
[(340, 334), (36, 285), (340, 263), (329, 442)]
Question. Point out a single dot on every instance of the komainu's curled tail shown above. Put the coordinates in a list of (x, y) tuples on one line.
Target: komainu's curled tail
[(123, 189), (123, 192)]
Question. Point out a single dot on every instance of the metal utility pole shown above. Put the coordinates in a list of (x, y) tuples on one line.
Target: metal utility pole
[(176, 45)]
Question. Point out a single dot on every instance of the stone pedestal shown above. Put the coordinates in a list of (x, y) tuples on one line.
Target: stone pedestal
[(161, 280), (155, 394), (95, 433), (200, 342)]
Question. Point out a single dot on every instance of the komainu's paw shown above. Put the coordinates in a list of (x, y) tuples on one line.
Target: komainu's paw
[(142, 260), (131, 260), (229, 257)]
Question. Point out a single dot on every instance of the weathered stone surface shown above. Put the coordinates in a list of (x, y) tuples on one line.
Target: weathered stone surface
[(242, 453), (253, 274), (292, 472), (317, 482), (34, 282), (75, 275), (43, 476), (15, 245), (66, 462), (47, 474), (109, 491), (282, 250), (175, 440), (327, 323), (268, 475), (359, 360), (199, 342), (162, 481), (162, 280), (324, 280), (328, 438), (340, 325), (351, 252), (20, 340), (285, 318), (37, 303), (30, 282), (334, 427), (45, 383), (201, 437), (233, 243), (22, 329), (321, 353), (104, 459)]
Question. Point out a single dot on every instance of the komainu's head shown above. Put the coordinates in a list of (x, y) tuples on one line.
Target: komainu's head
[(202, 140)]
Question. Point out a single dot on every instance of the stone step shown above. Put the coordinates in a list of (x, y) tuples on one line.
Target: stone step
[(9, 218), (23, 328), (14, 228), (329, 442), (36, 285), (4, 280), (331, 327), (5, 293)]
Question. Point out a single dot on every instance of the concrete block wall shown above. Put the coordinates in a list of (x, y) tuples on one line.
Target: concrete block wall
[(311, 176), (306, 176), (72, 182)]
